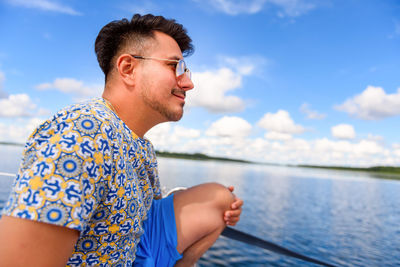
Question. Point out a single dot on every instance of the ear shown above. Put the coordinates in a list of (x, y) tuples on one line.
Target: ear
[(126, 66)]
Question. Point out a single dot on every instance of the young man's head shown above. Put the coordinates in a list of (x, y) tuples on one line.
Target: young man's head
[(124, 36), (146, 77)]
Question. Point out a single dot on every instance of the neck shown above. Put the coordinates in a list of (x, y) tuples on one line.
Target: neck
[(137, 116)]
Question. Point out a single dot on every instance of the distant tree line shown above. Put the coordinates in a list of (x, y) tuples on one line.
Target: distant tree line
[(380, 169), (196, 156)]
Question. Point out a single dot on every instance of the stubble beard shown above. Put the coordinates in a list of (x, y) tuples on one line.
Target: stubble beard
[(162, 108)]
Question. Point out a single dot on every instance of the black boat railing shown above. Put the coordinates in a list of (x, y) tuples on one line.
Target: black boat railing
[(237, 235)]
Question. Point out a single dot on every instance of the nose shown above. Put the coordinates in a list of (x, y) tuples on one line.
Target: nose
[(185, 83)]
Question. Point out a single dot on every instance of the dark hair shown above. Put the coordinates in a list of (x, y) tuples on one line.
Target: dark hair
[(115, 35)]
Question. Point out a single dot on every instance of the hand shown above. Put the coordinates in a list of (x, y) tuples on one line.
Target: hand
[(232, 216)]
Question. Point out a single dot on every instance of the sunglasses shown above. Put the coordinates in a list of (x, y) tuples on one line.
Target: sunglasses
[(180, 68)]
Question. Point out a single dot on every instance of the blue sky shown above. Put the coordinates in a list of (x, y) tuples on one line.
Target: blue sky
[(279, 81)]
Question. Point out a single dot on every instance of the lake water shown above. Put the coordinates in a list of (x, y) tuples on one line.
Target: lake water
[(345, 218)]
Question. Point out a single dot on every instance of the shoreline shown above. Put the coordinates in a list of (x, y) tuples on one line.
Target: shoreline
[(392, 171)]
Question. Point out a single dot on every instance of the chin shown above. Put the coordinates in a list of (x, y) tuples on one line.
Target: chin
[(176, 116)]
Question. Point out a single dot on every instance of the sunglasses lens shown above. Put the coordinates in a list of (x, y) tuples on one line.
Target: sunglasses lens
[(182, 69), (188, 73)]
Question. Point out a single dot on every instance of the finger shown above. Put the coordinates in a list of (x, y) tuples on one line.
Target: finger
[(232, 222), (233, 213), (237, 203), (232, 218), (226, 220), (231, 188), (226, 215)]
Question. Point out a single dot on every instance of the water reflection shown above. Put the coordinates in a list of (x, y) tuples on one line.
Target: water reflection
[(10, 157), (347, 218)]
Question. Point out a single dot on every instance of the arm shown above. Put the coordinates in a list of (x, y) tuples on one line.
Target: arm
[(29, 243), (232, 216)]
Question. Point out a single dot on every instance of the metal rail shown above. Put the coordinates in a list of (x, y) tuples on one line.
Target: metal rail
[(255, 241)]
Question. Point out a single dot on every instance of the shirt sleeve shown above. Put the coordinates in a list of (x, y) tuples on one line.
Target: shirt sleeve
[(62, 176)]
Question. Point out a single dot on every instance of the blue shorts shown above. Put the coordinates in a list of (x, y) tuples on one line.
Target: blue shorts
[(157, 246)]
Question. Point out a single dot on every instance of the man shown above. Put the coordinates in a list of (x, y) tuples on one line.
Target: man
[(87, 192)]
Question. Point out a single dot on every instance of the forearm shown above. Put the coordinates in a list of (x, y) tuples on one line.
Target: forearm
[(30, 243)]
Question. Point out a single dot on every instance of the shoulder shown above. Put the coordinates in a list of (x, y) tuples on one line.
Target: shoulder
[(85, 118), (79, 130)]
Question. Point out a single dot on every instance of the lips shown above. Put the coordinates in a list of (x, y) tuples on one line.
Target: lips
[(179, 93)]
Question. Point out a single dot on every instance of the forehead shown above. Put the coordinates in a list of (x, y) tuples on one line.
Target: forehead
[(165, 46)]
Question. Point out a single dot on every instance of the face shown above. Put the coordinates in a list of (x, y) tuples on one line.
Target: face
[(160, 89)]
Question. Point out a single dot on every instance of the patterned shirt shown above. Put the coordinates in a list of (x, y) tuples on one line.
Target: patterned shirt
[(85, 169)]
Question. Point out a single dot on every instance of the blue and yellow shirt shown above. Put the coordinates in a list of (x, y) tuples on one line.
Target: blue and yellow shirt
[(86, 170)]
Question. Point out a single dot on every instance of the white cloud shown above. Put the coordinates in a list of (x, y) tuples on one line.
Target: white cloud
[(287, 8), (229, 127), (368, 147), (396, 30), (75, 87), (363, 147), (46, 5), (311, 114), (211, 88), (323, 152), (160, 135), (277, 136), (372, 104), (19, 131), (3, 94), (343, 131), (230, 137), (144, 7), (396, 149), (19, 105), (293, 8), (290, 151), (234, 7), (375, 138), (171, 137), (182, 132), (243, 65), (280, 122)]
